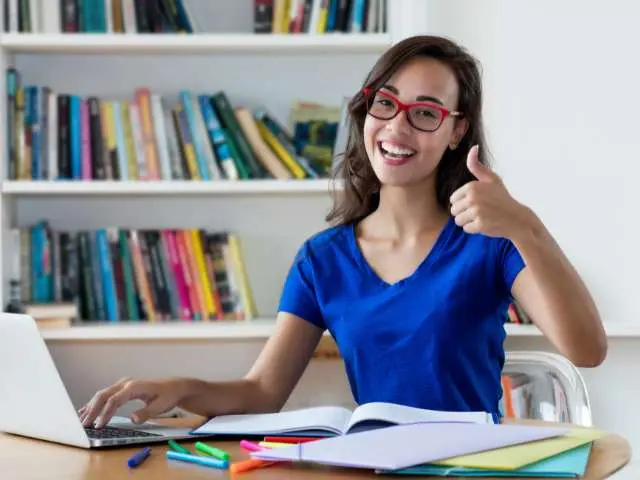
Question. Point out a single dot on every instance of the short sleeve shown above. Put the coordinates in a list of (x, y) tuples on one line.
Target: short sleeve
[(299, 293), (510, 262)]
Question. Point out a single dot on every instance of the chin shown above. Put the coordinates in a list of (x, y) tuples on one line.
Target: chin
[(402, 176)]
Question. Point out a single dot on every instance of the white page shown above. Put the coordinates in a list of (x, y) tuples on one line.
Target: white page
[(382, 412), (331, 418), (403, 446)]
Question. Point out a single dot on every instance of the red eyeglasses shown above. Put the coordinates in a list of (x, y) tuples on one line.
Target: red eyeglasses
[(423, 116)]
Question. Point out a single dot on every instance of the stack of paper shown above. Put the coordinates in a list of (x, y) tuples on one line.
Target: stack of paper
[(403, 446), (565, 456), (569, 464), (452, 449)]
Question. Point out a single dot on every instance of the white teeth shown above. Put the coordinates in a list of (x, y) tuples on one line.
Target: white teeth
[(395, 150)]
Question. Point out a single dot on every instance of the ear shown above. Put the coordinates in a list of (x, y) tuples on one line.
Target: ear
[(459, 131)]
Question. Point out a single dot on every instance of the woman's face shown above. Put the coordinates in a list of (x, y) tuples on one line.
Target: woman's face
[(399, 153)]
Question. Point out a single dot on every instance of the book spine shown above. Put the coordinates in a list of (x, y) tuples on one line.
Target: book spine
[(123, 162), (12, 136), (262, 16), (87, 163), (107, 277), (225, 111), (217, 138), (128, 276)]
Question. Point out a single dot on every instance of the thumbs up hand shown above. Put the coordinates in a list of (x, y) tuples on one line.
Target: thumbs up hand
[(484, 205)]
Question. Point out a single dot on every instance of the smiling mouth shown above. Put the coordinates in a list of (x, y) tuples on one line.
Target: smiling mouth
[(395, 155)]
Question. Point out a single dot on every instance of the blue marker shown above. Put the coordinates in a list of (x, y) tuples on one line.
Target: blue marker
[(139, 457), (205, 461)]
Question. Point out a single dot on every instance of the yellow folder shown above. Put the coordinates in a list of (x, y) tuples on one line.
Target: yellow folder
[(517, 456)]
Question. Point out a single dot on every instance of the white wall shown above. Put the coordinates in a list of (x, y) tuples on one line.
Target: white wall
[(562, 100), (562, 97), (561, 107)]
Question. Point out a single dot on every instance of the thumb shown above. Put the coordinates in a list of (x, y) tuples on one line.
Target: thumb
[(152, 409), (479, 170)]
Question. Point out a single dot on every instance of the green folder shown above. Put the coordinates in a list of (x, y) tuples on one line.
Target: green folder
[(517, 456), (568, 464)]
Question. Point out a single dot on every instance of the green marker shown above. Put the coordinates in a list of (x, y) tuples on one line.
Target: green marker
[(177, 447), (213, 451)]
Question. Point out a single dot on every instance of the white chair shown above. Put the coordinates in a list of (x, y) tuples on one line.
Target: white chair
[(544, 386)]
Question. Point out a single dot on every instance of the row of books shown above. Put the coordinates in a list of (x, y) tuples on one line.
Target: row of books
[(132, 275), (196, 136), (97, 16), (186, 16), (320, 16)]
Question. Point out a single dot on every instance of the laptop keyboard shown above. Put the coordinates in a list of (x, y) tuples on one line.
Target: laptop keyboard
[(114, 432)]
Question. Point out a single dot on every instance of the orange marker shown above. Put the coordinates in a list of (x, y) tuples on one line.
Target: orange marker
[(246, 465)]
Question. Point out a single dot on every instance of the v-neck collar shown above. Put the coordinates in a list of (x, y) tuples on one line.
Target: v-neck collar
[(431, 254)]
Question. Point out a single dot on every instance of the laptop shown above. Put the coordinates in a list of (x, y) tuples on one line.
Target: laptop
[(35, 403)]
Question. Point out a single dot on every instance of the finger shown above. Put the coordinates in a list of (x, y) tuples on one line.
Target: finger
[(130, 391), (157, 407), (460, 206), (96, 404), (460, 193), (465, 217), (473, 226), (482, 172)]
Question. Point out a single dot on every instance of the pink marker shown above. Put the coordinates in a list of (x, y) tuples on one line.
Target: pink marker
[(251, 446)]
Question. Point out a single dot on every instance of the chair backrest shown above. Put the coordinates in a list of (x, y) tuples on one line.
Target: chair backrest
[(544, 386)]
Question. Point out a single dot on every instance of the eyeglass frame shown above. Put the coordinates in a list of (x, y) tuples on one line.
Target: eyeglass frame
[(404, 107)]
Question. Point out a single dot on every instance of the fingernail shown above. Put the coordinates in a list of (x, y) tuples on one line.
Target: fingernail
[(135, 419)]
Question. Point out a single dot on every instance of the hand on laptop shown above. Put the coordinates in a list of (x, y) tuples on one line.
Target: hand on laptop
[(159, 397)]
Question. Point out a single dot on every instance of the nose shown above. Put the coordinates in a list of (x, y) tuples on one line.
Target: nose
[(399, 123)]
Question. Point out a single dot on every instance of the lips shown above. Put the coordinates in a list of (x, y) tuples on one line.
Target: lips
[(395, 154)]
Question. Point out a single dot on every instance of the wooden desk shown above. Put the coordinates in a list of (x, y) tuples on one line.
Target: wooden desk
[(23, 458)]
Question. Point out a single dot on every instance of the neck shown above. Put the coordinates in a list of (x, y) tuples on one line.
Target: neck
[(409, 211)]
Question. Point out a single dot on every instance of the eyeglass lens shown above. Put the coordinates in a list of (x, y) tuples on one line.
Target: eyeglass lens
[(422, 117)]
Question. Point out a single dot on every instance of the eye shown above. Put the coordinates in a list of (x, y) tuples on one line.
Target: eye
[(385, 102), (426, 112)]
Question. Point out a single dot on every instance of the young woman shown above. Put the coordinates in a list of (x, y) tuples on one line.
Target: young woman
[(413, 279)]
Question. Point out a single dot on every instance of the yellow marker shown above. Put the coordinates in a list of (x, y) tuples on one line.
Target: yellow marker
[(275, 444)]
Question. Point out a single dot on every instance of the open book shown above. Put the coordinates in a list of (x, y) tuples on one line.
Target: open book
[(332, 420)]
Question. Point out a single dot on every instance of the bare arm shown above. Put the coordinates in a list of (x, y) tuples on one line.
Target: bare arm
[(268, 384), (548, 288), (553, 294), (265, 388)]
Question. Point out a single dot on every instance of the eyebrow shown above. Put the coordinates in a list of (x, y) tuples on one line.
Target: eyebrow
[(420, 98)]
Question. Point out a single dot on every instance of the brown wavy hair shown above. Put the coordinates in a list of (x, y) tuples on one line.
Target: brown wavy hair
[(360, 195)]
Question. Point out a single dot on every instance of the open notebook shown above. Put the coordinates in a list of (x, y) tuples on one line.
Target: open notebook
[(332, 420)]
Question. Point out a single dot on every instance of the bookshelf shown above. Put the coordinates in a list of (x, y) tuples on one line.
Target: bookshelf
[(126, 44), (272, 217), (171, 187), (259, 329)]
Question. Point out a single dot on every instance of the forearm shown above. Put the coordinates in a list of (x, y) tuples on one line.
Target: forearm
[(267, 385), (566, 312), (223, 398)]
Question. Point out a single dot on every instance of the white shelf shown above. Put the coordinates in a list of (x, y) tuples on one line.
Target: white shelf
[(260, 329), (257, 329), (176, 330), (612, 329), (522, 330), (189, 187), (196, 43)]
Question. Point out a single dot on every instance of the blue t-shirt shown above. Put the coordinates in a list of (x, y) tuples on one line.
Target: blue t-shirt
[(432, 340)]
